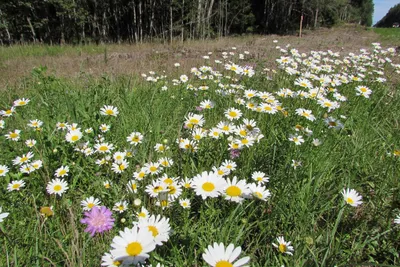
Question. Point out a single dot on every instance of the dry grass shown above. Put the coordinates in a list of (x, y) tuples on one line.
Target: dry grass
[(129, 60)]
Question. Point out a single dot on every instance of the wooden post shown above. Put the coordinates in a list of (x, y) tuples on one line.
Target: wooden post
[(301, 24)]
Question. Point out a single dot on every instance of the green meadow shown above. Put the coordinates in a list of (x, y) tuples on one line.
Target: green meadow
[(235, 150)]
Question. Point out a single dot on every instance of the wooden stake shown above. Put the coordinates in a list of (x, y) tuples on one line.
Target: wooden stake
[(301, 25)]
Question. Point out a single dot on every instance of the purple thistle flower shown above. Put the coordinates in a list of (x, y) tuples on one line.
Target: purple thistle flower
[(235, 153), (98, 220)]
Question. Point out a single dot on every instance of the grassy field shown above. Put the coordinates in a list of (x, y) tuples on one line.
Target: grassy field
[(245, 141), (388, 34)]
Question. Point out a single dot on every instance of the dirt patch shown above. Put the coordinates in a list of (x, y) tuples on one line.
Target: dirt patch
[(136, 59)]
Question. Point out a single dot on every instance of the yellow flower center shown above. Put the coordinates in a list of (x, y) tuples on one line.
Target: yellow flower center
[(57, 188), (142, 214), (103, 148), (207, 186), (62, 172), (117, 263), (224, 264), (258, 194), (1, 171), (13, 135), (235, 146), (168, 181), (158, 189), (16, 186), (349, 200), (188, 146), (233, 191), (282, 248), (90, 205), (153, 169), (194, 121), (133, 249), (232, 114), (135, 139), (75, 138), (172, 189), (8, 112), (109, 112), (165, 163), (153, 230), (24, 159)]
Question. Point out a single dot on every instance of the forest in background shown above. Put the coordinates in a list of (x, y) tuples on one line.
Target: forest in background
[(391, 17), (115, 21)]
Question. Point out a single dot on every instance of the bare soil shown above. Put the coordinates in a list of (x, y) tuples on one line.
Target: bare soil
[(127, 59)]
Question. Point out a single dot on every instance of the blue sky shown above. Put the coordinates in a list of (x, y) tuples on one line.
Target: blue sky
[(382, 7)]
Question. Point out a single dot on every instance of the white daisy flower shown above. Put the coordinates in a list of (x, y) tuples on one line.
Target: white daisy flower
[(15, 185), (57, 186), (132, 246), (351, 197), (217, 255), (208, 184), (283, 246), (109, 111), (89, 203)]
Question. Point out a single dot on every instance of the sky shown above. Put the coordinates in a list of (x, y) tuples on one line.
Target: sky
[(382, 7)]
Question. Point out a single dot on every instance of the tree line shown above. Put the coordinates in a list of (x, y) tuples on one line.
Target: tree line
[(83, 21), (390, 18)]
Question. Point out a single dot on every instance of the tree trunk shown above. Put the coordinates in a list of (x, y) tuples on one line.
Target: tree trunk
[(33, 30), (6, 28), (226, 18), (170, 22), (208, 18), (140, 22), (135, 27), (183, 21), (316, 17), (199, 12)]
